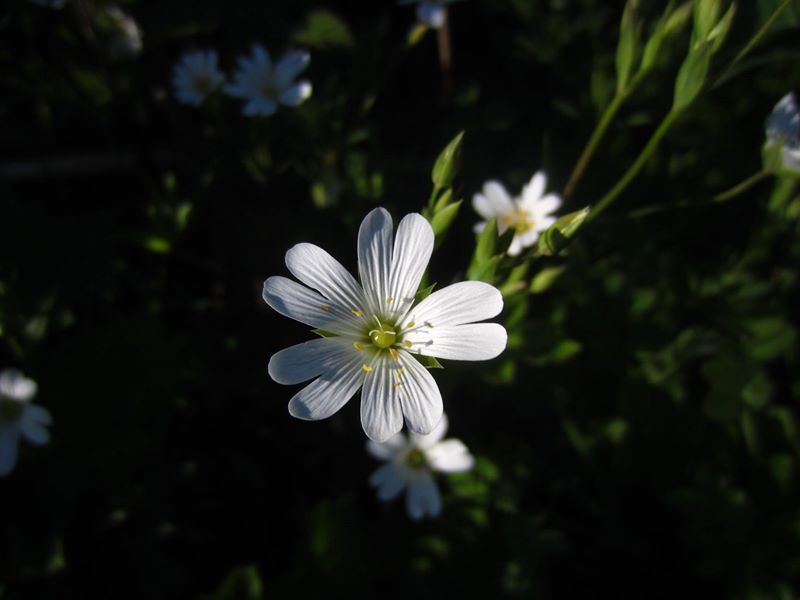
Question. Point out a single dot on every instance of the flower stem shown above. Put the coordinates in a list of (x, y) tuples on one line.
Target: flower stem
[(742, 186), (445, 55), (637, 166)]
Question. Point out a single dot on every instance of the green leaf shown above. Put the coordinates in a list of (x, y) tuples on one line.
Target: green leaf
[(627, 48), (720, 31), (670, 24), (514, 283), (484, 271), (706, 15), (323, 333), (324, 29), (446, 166), (442, 201), (441, 220), (429, 362), (157, 245), (692, 76), (241, 583), (424, 292), (487, 242), (545, 279)]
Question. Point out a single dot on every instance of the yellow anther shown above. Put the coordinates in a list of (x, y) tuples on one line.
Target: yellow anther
[(428, 324), (397, 385), (358, 346), (325, 307), (389, 300), (410, 324), (366, 368), (393, 352), (407, 344), (356, 312)]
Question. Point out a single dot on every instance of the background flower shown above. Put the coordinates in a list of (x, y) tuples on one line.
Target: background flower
[(196, 76), (19, 418), (410, 463)]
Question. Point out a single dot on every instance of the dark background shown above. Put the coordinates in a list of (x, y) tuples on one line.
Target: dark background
[(638, 437)]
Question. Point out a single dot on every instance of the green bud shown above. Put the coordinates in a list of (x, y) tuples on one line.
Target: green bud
[(706, 15), (721, 29), (628, 46), (692, 76), (446, 166)]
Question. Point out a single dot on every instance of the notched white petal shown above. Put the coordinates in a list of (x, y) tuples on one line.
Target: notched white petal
[(413, 246), (464, 302), (305, 361), (328, 393), (375, 256), (419, 395), (450, 456), (381, 413)]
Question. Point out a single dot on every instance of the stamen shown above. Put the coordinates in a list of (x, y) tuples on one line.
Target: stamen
[(389, 300), (366, 368), (428, 323), (356, 312), (358, 346), (397, 385), (407, 344), (393, 352), (325, 308), (410, 324)]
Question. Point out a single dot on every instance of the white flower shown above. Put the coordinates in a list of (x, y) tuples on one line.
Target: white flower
[(265, 85), (528, 215), (783, 131), (378, 327), (125, 36), (432, 13), (19, 418), (196, 76), (410, 463)]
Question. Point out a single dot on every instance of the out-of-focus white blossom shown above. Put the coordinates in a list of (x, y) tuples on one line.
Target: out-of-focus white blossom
[(264, 85), (196, 76), (19, 418), (528, 215), (410, 464), (783, 132)]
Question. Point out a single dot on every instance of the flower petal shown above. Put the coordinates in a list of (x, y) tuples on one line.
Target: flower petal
[(300, 303), (305, 361), (450, 456), (516, 246), (546, 205), (375, 257), (259, 107), (463, 302), (319, 270), (474, 341), (9, 442), (261, 58), (33, 424), (327, 394), (419, 395), (389, 480), (413, 246), (290, 66), (14, 385), (433, 15), (381, 412), (498, 199), (296, 94), (422, 497), (426, 441), (535, 187), (388, 449)]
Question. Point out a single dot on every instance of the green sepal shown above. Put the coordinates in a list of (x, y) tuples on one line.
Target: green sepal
[(323, 333), (692, 76), (628, 46), (429, 362), (424, 293), (441, 220), (556, 238)]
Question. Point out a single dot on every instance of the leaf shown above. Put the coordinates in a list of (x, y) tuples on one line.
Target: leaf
[(484, 271), (424, 293), (627, 48), (446, 165), (720, 31), (324, 29), (241, 583), (556, 238), (545, 279), (692, 76)]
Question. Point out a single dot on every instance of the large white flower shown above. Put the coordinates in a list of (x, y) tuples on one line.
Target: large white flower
[(410, 464), (19, 418), (528, 215), (196, 76), (783, 131), (265, 85), (377, 327)]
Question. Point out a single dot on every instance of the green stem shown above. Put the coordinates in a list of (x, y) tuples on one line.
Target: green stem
[(594, 141), (741, 187), (637, 166), (756, 39)]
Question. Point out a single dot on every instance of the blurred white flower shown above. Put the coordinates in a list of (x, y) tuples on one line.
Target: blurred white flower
[(196, 76), (783, 131), (432, 13), (528, 215), (265, 85), (410, 464), (124, 35), (377, 327), (19, 418)]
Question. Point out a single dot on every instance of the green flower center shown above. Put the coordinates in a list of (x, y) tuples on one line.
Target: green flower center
[(383, 336), (416, 459)]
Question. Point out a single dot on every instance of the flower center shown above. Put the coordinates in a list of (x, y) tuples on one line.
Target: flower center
[(10, 410), (270, 88), (202, 84), (520, 220), (383, 336), (416, 459)]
